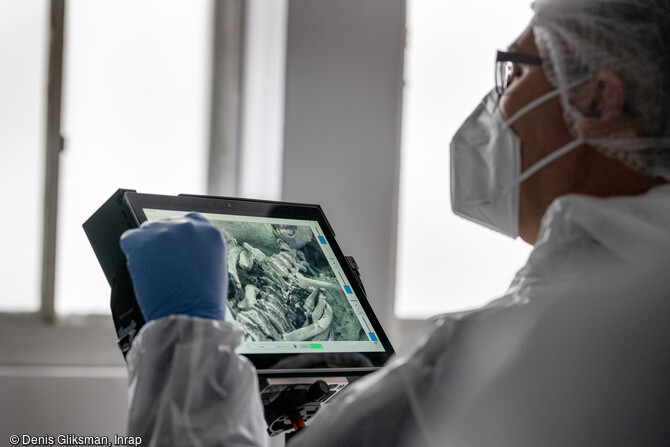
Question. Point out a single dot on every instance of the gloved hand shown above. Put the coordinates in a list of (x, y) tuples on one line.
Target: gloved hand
[(178, 266)]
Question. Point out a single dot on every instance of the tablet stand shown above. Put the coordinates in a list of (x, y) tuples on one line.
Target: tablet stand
[(288, 411)]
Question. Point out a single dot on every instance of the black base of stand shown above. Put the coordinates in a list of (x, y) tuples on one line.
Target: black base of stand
[(289, 410)]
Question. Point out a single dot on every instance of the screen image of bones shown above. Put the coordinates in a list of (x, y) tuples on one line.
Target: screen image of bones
[(281, 286)]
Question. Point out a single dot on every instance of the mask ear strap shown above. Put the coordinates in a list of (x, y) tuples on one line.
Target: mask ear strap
[(531, 105), (544, 162), (546, 97), (557, 153), (549, 158)]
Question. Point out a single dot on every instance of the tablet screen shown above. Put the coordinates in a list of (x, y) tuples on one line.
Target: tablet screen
[(287, 289)]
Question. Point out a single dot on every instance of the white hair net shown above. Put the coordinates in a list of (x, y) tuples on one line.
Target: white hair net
[(630, 38)]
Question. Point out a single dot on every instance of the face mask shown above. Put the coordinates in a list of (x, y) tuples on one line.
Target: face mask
[(486, 166)]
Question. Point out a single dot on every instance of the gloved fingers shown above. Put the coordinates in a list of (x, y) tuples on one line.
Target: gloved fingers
[(196, 216), (178, 266), (150, 232), (189, 217)]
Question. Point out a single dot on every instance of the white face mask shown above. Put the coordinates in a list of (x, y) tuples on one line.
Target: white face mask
[(486, 166)]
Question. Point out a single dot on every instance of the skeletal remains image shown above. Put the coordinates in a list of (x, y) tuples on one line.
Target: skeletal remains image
[(281, 287)]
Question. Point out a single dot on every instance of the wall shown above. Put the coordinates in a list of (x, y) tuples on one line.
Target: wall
[(64, 378), (341, 146)]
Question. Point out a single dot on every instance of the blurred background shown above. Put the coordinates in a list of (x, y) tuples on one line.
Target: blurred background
[(350, 104)]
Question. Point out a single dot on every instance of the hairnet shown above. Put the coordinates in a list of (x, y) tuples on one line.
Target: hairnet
[(630, 38)]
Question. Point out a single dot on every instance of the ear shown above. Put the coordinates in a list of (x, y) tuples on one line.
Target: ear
[(601, 103)]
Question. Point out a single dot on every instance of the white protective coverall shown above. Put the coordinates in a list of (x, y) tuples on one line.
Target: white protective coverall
[(577, 353)]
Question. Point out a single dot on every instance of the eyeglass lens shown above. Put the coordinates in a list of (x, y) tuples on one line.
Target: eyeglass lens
[(503, 72), (504, 67)]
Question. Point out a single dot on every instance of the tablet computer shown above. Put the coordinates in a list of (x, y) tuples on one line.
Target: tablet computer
[(291, 290)]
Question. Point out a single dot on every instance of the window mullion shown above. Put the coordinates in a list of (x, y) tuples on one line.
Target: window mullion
[(227, 75), (54, 145)]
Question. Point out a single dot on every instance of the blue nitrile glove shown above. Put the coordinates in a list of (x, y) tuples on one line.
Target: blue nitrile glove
[(178, 266)]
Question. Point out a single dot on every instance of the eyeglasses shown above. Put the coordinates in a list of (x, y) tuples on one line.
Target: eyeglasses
[(504, 67)]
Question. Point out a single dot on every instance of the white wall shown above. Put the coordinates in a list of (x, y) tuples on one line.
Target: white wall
[(54, 401), (343, 96), (65, 378)]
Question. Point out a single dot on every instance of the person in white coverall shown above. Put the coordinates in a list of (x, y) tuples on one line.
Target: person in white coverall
[(570, 151)]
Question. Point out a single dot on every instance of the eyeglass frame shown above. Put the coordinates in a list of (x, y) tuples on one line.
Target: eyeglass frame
[(501, 67)]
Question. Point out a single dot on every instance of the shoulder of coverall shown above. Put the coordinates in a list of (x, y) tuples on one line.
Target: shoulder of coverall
[(629, 227)]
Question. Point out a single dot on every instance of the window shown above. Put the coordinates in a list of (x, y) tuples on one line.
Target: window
[(139, 111), (24, 49), (135, 115), (444, 262)]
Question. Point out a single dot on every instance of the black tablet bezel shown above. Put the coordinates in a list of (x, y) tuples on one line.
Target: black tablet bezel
[(136, 202)]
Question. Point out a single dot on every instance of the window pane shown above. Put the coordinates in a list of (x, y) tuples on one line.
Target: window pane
[(24, 51), (136, 115), (444, 262)]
